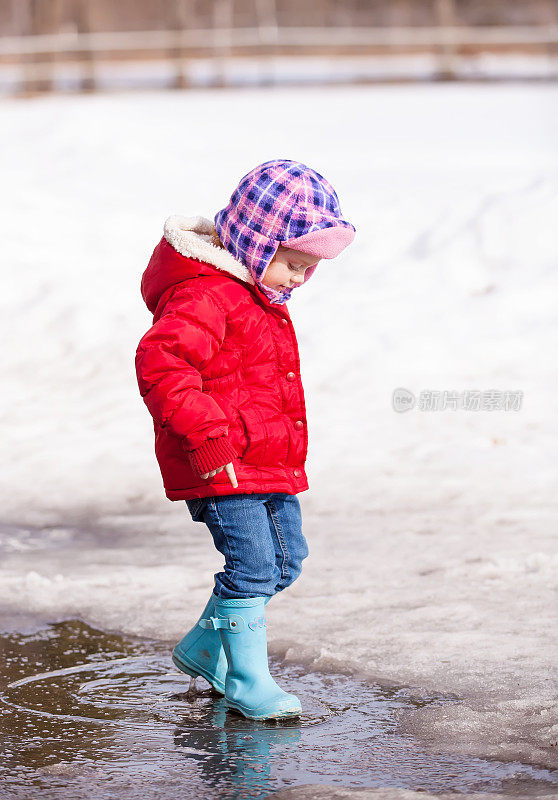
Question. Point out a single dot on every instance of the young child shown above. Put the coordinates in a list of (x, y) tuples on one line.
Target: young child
[(219, 372)]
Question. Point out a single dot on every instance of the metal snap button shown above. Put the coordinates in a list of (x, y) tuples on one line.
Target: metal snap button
[(290, 376)]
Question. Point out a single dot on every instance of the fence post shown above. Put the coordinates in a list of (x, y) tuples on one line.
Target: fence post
[(38, 17), (21, 16), (268, 27), (182, 15), (222, 28), (445, 14), (87, 57)]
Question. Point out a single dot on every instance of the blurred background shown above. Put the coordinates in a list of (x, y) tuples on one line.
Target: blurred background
[(437, 123), (88, 45)]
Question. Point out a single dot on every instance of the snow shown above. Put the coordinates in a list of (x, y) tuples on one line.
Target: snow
[(432, 533)]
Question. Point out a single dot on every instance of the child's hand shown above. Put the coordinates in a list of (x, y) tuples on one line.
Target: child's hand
[(229, 469)]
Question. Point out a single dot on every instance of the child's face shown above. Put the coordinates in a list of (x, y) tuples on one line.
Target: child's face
[(287, 269)]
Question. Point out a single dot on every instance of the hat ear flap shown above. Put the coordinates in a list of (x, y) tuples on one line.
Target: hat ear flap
[(260, 277)]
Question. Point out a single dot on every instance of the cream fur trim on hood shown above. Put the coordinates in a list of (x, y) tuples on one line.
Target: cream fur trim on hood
[(193, 237)]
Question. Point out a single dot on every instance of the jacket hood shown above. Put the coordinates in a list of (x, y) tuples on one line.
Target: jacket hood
[(192, 248)]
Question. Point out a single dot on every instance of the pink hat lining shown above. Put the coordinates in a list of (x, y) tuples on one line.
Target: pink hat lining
[(323, 243)]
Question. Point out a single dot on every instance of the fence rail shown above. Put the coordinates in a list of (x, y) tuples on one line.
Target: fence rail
[(459, 36)]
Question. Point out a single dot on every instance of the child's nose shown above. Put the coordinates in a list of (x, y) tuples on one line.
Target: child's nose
[(298, 278)]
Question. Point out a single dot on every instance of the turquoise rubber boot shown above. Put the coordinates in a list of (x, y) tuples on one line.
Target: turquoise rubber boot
[(201, 652), (249, 687)]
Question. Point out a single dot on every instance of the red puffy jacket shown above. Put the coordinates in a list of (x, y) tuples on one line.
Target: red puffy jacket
[(219, 371)]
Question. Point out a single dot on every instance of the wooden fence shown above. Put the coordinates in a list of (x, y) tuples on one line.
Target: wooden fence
[(37, 57)]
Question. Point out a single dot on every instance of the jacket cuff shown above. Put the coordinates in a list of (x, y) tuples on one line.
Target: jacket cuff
[(212, 454)]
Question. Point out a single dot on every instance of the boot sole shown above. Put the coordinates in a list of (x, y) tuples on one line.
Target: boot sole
[(194, 671), (277, 715)]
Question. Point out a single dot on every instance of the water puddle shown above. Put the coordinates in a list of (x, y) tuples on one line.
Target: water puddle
[(89, 712)]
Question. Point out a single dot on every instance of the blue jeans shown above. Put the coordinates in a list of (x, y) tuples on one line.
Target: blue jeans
[(260, 536)]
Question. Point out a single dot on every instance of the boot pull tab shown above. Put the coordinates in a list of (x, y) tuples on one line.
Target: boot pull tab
[(233, 623)]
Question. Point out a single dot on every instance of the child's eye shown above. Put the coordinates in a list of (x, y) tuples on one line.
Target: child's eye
[(295, 269)]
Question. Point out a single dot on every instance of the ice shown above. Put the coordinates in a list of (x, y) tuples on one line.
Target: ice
[(432, 534), (323, 792)]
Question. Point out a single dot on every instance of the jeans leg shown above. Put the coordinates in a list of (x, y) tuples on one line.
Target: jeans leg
[(285, 522), (241, 532)]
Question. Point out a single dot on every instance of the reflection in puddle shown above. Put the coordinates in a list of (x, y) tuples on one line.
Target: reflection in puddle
[(83, 709)]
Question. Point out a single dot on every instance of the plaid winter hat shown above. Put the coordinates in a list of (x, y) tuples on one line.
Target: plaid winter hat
[(282, 202)]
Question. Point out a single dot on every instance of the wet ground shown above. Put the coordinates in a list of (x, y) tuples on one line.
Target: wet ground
[(85, 711)]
